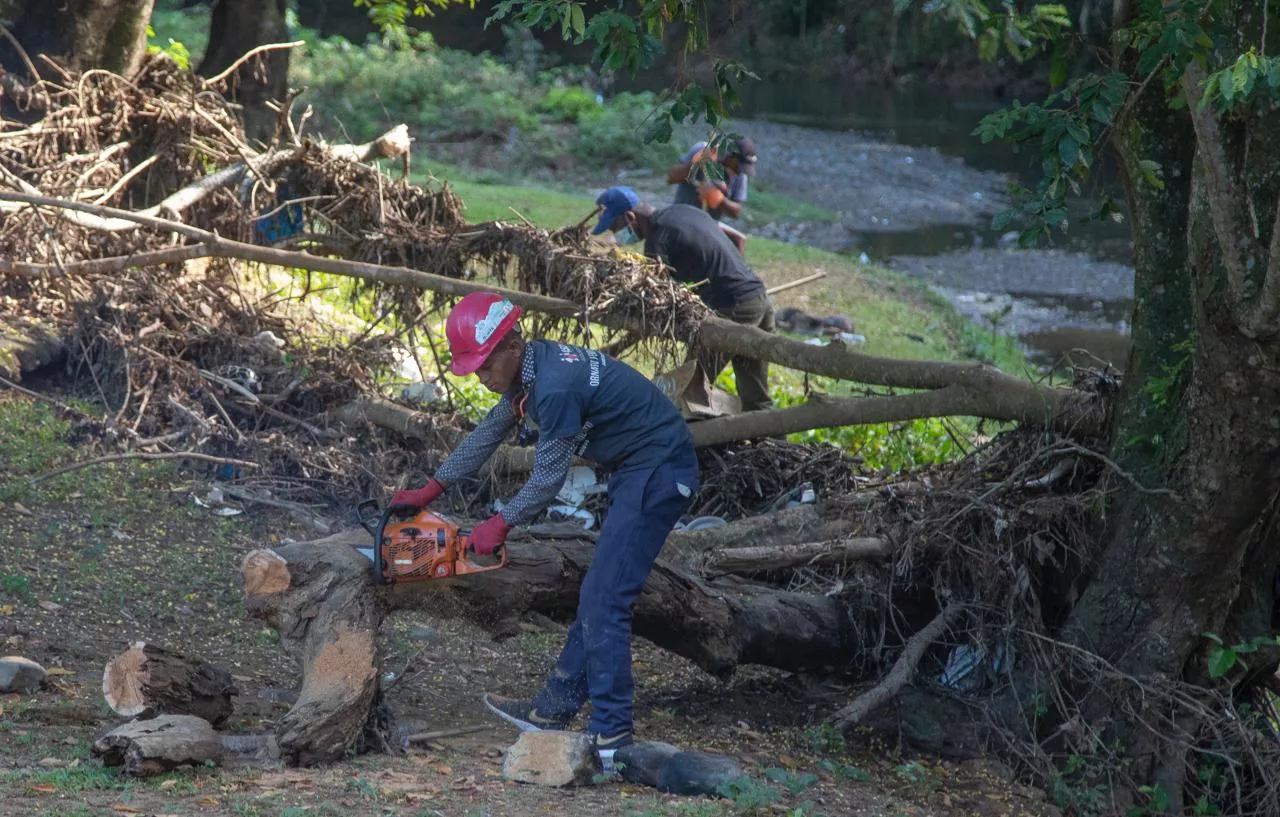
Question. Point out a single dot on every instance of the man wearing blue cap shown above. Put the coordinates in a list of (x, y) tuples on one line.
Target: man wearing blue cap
[(689, 241)]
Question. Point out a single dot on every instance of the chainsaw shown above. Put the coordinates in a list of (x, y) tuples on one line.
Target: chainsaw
[(421, 546)]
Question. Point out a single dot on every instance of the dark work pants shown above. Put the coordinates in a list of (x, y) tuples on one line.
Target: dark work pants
[(644, 505), (752, 375)]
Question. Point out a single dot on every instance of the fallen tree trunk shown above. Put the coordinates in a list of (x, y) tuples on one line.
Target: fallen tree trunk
[(966, 389), (745, 560), (147, 678), (321, 598)]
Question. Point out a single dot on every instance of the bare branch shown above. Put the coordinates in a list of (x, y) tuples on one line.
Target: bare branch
[(902, 670), (971, 389), (143, 455)]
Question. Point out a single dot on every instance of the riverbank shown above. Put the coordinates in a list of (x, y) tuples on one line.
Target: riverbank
[(927, 214)]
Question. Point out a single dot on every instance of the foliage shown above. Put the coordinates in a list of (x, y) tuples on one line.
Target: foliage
[(1023, 34), (1064, 131), (444, 95), (1223, 658)]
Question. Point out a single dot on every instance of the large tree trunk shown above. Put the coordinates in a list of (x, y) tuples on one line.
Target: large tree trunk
[(81, 34), (1199, 412), (237, 27), (320, 596)]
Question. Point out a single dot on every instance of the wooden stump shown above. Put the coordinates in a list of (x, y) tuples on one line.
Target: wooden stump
[(158, 745), (146, 678)]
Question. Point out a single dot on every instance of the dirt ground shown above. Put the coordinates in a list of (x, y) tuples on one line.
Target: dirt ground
[(95, 559)]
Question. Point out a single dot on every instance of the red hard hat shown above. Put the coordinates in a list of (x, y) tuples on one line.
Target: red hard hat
[(475, 327)]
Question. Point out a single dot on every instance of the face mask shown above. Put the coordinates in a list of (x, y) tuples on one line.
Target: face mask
[(626, 236)]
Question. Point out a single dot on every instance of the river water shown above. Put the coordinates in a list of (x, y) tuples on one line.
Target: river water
[(1073, 295)]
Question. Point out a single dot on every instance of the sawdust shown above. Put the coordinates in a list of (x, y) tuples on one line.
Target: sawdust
[(343, 664)]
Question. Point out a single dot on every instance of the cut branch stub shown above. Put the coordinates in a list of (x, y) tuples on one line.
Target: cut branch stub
[(320, 598), (147, 678)]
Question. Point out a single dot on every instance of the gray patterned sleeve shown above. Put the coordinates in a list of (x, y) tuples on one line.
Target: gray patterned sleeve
[(551, 461), (475, 450)]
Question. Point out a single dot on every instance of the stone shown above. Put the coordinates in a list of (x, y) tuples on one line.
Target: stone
[(692, 773), (642, 761), (551, 758), (19, 674)]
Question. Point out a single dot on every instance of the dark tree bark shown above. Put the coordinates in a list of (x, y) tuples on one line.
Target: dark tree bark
[(1199, 410), (238, 26), (81, 34)]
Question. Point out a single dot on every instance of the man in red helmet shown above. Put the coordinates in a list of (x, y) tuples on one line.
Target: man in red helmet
[(583, 403)]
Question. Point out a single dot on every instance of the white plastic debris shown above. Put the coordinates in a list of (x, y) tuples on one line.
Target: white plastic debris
[(421, 392), (269, 338), (580, 484)]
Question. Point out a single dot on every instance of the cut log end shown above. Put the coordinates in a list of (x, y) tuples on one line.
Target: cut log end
[(123, 679), (147, 678), (265, 573)]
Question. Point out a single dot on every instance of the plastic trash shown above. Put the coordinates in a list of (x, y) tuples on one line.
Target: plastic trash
[(581, 483), (863, 258), (968, 668), (701, 523), (421, 392)]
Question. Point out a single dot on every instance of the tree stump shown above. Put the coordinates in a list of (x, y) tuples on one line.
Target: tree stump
[(146, 678), (158, 745)]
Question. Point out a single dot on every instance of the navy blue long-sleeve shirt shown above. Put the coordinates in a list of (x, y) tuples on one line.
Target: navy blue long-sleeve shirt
[(583, 402)]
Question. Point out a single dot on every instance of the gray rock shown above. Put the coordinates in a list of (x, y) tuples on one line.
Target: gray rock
[(641, 762), (19, 674), (698, 773), (552, 758)]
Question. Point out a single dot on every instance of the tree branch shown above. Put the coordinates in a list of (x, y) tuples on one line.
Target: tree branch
[(980, 388), (1225, 196), (902, 670)]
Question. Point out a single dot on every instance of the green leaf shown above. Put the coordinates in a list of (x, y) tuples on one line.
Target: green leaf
[(1221, 660), (579, 20), (1068, 150)]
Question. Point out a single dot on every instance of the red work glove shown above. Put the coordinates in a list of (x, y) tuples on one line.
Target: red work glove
[(417, 499), (490, 533), (710, 195)]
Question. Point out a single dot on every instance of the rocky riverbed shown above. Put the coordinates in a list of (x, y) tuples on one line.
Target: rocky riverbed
[(901, 204)]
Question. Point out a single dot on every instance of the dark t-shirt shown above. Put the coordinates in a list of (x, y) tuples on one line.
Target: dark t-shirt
[(690, 241), (622, 416)]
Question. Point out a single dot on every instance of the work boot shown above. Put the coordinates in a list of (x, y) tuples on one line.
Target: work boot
[(607, 745), (522, 715)]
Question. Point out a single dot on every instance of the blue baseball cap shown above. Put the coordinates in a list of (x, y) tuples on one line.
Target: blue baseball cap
[(616, 201)]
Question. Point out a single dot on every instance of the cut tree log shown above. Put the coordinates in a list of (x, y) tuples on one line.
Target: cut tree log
[(26, 347), (158, 745), (966, 389), (321, 598), (746, 560), (148, 678)]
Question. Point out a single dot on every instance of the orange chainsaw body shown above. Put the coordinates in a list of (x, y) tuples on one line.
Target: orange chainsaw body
[(424, 547)]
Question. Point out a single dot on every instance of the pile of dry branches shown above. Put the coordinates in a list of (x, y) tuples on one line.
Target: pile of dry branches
[(182, 356)]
